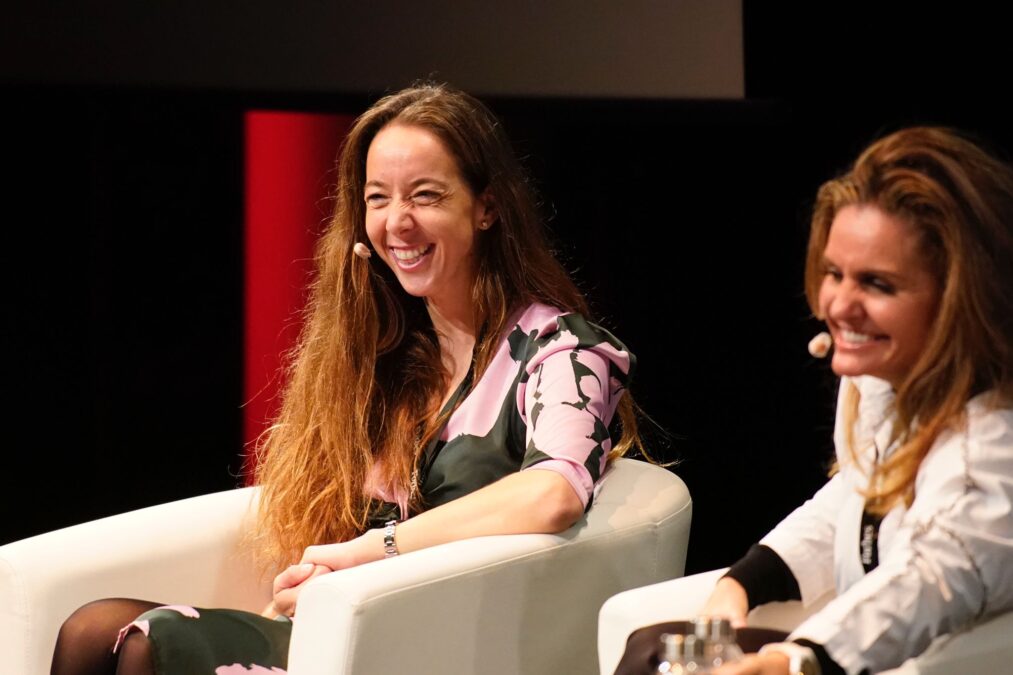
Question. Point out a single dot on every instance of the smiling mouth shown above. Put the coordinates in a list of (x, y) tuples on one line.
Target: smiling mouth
[(856, 339), (409, 257)]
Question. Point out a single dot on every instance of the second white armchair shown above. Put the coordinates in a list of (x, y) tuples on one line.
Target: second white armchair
[(985, 648)]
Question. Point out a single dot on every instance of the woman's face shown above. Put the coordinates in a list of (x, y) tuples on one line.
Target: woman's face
[(421, 216), (878, 295)]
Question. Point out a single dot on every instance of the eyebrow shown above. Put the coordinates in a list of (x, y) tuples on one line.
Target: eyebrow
[(413, 184)]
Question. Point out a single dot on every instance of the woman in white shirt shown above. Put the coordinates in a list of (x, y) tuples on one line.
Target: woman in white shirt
[(910, 264)]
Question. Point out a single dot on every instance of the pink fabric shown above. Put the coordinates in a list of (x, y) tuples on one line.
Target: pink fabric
[(376, 488), (563, 432), (185, 610), (237, 669), (142, 626), (478, 412)]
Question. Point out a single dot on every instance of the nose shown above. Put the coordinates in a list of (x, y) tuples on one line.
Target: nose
[(844, 301), (399, 217)]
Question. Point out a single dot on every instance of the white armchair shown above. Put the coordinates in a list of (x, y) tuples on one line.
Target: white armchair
[(986, 648), (510, 604)]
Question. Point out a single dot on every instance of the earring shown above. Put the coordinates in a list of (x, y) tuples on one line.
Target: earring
[(362, 250), (484, 225)]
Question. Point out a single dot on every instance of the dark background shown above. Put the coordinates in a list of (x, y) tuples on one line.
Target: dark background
[(684, 219)]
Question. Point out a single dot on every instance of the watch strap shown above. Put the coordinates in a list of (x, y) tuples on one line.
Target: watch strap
[(389, 545)]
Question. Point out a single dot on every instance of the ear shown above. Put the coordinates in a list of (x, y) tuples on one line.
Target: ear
[(486, 210)]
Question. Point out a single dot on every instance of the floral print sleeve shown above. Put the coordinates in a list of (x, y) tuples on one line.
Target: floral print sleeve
[(568, 397), (546, 401)]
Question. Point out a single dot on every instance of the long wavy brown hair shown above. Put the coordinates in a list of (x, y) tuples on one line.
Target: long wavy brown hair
[(960, 201), (366, 375)]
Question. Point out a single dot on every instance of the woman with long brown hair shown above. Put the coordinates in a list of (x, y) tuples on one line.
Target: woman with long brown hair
[(910, 264), (446, 385)]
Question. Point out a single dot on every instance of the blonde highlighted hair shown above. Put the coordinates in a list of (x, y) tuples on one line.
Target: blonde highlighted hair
[(366, 376), (960, 201)]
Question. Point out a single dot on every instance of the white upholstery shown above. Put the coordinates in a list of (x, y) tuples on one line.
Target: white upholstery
[(509, 604), (986, 648), (185, 552)]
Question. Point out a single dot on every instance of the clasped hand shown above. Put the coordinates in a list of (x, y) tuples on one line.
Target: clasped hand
[(288, 584), (317, 560)]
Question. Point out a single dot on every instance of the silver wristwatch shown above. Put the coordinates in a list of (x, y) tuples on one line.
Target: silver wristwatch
[(389, 545)]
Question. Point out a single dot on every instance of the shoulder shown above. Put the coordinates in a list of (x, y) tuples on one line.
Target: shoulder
[(977, 454), (541, 331), (990, 421), (986, 433), (985, 442)]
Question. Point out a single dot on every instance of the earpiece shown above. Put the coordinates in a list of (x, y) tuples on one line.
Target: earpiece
[(362, 251), (820, 345)]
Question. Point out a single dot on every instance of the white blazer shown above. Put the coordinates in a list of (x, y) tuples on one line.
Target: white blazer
[(945, 563)]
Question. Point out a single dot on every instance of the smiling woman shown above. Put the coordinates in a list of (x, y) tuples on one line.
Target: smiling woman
[(446, 385), (423, 219), (879, 294), (910, 263)]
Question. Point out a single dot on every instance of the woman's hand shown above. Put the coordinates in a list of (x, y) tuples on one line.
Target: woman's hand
[(728, 600), (756, 664), (289, 584), (317, 560), (363, 549)]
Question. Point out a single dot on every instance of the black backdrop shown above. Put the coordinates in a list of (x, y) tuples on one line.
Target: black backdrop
[(684, 220)]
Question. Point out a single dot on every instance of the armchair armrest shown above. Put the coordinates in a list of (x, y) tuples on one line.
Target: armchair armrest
[(678, 599), (669, 600), (985, 648), (183, 552), (507, 604)]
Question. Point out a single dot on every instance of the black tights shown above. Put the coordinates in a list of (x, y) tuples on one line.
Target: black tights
[(85, 643)]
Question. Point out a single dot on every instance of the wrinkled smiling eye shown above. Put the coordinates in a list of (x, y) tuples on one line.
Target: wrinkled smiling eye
[(426, 197), (879, 285), (376, 200)]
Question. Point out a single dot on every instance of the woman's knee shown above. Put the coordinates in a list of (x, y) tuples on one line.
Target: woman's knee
[(84, 644), (94, 627), (89, 624)]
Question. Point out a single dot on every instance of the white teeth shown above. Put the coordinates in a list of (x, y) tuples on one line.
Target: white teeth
[(853, 337), (408, 255)]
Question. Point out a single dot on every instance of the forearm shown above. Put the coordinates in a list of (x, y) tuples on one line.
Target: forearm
[(532, 501), (528, 502)]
